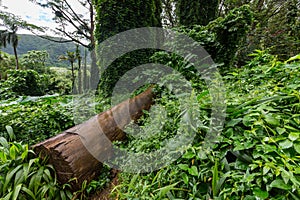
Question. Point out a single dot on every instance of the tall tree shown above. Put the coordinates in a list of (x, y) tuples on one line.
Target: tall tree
[(79, 58), (11, 23), (274, 29), (10, 37), (196, 12), (85, 77), (71, 57), (114, 16), (78, 25)]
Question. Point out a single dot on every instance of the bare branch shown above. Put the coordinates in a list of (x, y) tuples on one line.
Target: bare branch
[(76, 16), (68, 19), (72, 38)]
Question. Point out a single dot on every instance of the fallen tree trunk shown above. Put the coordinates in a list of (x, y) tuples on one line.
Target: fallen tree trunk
[(75, 153)]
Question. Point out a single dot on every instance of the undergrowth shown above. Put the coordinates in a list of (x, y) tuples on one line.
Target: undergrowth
[(257, 155)]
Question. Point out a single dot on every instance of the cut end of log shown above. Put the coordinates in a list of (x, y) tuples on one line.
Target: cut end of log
[(67, 151)]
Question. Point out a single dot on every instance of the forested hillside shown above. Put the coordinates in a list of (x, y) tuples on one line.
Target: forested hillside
[(32, 42)]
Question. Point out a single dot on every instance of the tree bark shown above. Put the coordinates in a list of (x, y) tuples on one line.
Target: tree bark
[(67, 151), (79, 75), (16, 57), (85, 79)]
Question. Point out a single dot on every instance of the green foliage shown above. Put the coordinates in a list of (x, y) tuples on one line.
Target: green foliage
[(100, 182), (196, 12), (118, 16), (24, 176), (221, 38), (21, 82), (30, 83), (257, 154), (35, 60), (35, 43), (35, 119), (274, 29), (6, 62)]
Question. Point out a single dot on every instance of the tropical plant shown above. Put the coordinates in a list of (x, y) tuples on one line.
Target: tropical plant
[(35, 60), (66, 14), (71, 57), (10, 37), (35, 119), (25, 176), (6, 62), (257, 153)]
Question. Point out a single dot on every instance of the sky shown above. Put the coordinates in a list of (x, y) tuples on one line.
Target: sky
[(29, 12), (32, 13)]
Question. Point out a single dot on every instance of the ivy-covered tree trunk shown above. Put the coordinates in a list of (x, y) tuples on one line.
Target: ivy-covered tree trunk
[(196, 12), (115, 16)]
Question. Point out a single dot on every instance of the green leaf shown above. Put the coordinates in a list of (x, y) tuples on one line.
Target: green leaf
[(12, 152), (9, 176), (19, 178), (10, 132), (272, 120), (280, 131), (184, 167), (294, 196), (164, 190), (248, 120), (266, 170), (215, 179), (63, 195), (297, 147), (278, 183), (29, 192), (297, 57), (297, 170), (286, 144), (4, 143), (286, 176), (260, 193), (193, 171), (189, 155), (203, 94), (16, 192), (185, 178), (7, 197), (233, 122), (294, 136)]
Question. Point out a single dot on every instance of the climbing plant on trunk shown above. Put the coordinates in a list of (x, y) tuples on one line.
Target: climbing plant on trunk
[(115, 16), (196, 12)]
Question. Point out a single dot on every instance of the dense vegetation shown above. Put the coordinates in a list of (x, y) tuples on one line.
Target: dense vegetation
[(32, 42), (256, 156), (256, 47)]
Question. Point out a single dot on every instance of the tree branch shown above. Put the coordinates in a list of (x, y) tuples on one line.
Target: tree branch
[(76, 16), (72, 38), (67, 18)]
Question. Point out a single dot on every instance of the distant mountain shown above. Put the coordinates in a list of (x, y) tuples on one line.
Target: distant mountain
[(33, 42)]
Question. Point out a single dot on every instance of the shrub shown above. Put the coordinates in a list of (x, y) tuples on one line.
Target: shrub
[(35, 119), (24, 176), (257, 153)]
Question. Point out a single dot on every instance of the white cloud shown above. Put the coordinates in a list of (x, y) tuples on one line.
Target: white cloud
[(35, 14), (30, 12)]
